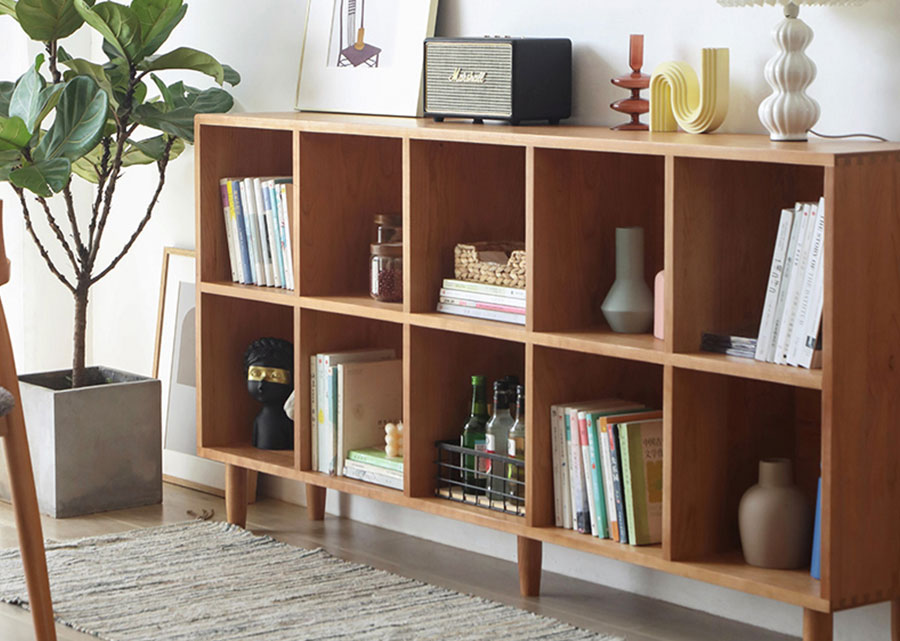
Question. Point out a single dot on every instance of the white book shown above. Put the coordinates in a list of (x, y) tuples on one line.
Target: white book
[(785, 282), (556, 453), (810, 331), (313, 413), (810, 272), (767, 322), (269, 250), (371, 474), (229, 231), (561, 467), (476, 297), (268, 188), (241, 201), (326, 400), (285, 211), (793, 293), (497, 290), (255, 231), (486, 314), (265, 250), (609, 491), (588, 481)]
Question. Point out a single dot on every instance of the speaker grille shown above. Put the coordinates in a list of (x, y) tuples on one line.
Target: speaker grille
[(493, 97)]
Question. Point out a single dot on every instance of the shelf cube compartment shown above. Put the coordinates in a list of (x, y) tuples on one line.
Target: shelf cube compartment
[(725, 222), (232, 152), (459, 193), (227, 327), (324, 332), (440, 367), (344, 182), (719, 428), (580, 198), (562, 376)]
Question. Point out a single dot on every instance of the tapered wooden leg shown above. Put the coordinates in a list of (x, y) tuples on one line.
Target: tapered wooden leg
[(236, 495), (817, 626), (530, 552), (895, 620), (252, 483), (315, 502)]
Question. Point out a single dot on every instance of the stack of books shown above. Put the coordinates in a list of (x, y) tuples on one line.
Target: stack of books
[(732, 344), (372, 465), (477, 300), (792, 313), (353, 395), (608, 469), (257, 228)]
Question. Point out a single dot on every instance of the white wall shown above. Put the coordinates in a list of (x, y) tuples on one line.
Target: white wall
[(855, 50)]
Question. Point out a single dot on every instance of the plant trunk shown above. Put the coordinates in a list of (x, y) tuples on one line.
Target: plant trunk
[(81, 304)]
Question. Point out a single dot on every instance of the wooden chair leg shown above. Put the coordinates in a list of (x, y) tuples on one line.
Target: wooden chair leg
[(817, 626), (28, 527), (895, 620), (315, 502), (252, 483), (529, 557), (236, 495)]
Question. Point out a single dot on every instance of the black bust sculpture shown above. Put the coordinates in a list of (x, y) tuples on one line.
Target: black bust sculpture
[(269, 363)]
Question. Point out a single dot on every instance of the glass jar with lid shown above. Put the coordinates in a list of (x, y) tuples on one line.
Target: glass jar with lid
[(389, 228), (386, 272)]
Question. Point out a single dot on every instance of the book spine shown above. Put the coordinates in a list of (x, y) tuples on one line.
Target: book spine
[(793, 299), (331, 381), (811, 303), (234, 201), (339, 423), (481, 288), (265, 207), (284, 195), (324, 453), (807, 284), (611, 516), (313, 413), (350, 463), (485, 314), (570, 463), (556, 453), (229, 236), (767, 322), (363, 457), (375, 478), (615, 464), (249, 201), (265, 233), (461, 294), (627, 485), (786, 277), (596, 474), (478, 305), (269, 191), (815, 568), (586, 472), (581, 511)]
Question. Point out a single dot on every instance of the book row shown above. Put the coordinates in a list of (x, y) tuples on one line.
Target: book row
[(479, 300), (257, 229), (608, 470), (354, 395)]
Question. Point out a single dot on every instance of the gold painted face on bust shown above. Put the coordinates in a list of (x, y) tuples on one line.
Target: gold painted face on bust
[(271, 374)]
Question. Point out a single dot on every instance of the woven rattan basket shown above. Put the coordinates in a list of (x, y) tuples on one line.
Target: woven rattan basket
[(509, 274)]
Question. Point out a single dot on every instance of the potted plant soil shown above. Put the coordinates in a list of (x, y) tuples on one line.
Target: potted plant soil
[(95, 431)]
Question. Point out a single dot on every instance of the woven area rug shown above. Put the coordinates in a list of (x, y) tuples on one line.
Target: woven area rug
[(209, 581)]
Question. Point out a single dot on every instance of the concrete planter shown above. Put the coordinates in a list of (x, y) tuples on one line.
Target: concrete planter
[(96, 448)]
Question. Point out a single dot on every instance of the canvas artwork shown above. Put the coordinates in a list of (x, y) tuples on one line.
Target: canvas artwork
[(364, 56)]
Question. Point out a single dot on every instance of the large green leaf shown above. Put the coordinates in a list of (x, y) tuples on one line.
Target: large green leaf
[(180, 121), (187, 58), (6, 92), (232, 77), (164, 92), (9, 160), (26, 99), (117, 24), (144, 152), (80, 117), (158, 19), (49, 98), (8, 7), (48, 20), (43, 177), (13, 133), (82, 67)]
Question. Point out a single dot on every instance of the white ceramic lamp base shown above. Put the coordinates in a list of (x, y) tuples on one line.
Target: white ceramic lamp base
[(789, 113)]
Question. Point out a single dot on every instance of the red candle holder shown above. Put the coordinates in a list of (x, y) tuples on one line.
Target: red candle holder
[(635, 82)]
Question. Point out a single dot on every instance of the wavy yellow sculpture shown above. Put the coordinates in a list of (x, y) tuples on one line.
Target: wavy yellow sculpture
[(677, 98)]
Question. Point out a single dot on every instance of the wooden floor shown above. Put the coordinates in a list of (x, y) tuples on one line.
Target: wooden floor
[(577, 602)]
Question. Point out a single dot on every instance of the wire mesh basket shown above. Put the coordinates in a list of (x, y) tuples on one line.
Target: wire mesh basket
[(492, 481)]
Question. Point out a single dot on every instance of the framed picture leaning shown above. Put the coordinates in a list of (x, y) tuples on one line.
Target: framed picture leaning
[(364, 56)]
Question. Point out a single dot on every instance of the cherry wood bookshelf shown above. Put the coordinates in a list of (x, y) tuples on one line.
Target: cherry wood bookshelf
[(709, 207)]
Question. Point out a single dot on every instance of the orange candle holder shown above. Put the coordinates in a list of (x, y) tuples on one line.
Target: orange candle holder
[(635, 82)]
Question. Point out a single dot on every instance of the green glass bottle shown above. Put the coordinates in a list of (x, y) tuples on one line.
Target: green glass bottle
[(516, 449), (473, 438)]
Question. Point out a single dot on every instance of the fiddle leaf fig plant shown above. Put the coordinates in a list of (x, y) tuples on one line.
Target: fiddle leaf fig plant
[(70, 117)]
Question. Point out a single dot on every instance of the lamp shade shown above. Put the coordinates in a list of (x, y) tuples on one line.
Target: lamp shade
[(755, 3)]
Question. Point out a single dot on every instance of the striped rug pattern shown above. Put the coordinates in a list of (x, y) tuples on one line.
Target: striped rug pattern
[(210, 581)]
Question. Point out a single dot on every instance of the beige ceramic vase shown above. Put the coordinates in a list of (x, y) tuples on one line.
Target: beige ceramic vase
[(775, 519)]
